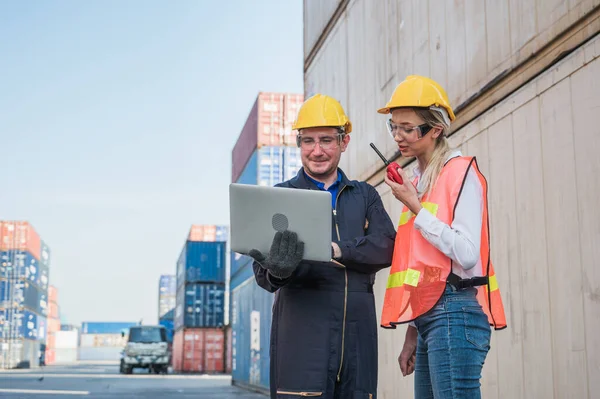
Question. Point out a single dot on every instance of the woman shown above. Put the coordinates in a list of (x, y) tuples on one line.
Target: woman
[(441, 280)]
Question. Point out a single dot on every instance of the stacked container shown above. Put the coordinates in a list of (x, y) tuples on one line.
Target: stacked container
[(103, 341), (53, 325), (265, 154), (167, 289), (24, 273), (198, 343), (62, 347)]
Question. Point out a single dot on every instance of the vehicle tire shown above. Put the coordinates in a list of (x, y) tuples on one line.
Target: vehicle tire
[(121, 369), (165, 370)]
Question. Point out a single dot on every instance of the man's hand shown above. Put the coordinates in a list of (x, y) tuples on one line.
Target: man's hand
[(284, 257), (407, 357)]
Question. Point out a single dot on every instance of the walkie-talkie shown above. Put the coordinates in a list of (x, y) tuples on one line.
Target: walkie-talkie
[(391, 167)]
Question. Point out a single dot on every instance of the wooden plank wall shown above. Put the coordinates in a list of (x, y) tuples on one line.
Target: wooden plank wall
[(539, 149)]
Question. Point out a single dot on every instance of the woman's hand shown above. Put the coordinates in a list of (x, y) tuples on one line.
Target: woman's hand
[(406, 193), (407, 357)]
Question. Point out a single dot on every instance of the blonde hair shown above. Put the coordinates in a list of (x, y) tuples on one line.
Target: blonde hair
[(434, 117)]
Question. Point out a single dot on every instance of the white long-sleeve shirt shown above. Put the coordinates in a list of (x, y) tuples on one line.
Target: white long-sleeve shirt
[(461, 240)]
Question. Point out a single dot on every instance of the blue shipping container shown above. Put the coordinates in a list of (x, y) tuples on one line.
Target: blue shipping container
[(222, 233), (42, 328), (18, 323), (251, 315), (168, 324), (241, 270), (201, 262), (200, 305), (18, 264), (167, 285), (21, 293), (106, 327), (43, 276), (271, 165)]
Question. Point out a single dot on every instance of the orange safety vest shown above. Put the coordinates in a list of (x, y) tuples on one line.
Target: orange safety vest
[(419, 271)]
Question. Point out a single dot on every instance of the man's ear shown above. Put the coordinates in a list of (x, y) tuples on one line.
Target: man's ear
[(345, 142)]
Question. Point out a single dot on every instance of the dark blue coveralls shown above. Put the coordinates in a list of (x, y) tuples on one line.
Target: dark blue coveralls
[(324, 329)]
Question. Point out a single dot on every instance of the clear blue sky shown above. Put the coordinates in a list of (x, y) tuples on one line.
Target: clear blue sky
[(117, 120)]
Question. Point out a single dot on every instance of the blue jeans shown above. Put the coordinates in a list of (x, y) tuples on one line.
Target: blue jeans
[(453, 342)]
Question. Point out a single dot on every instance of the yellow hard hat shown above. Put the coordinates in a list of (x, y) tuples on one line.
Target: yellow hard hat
[(322, 111), (418, 91)]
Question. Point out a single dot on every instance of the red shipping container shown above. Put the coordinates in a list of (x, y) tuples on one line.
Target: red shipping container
[(268, 124), (199, 350), (52, 310), (50, 356), (20, 236), (53, 325), (52, 294), (51, 341), (199, 232)]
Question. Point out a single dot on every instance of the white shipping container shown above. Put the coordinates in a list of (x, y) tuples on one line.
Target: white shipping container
[(66, 355), (66, 339), (19, 353), (96, 354), (102, 340)]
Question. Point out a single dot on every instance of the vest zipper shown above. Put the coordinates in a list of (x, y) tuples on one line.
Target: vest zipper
[(303, 394), (337, 229)]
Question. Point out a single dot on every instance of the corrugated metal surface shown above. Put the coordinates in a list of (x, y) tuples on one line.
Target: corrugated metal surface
[(208, 233), (268, 124), (42, 326), (200, 350), (20, 293), (251, 314), (19, 235), (53, 310), (544, 133), (317, 14), (200, 305), (18, 323), (102, 340), (65, 340), (19, 353), (19, 264), (106, 327), (241, 269), (170, 327), (43, 276), (202, 261), (108, 353)]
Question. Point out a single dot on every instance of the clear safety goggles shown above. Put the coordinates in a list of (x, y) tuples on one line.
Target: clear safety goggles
[(327, 142), (410, 134)]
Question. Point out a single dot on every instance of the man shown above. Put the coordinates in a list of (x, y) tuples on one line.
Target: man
[(324, 330)]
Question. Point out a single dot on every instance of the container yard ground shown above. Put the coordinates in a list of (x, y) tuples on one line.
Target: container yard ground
[(102, 380)]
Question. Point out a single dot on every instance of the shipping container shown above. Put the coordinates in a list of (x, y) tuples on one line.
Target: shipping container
[(271, 165), (50, 357), (202, 262), (208, 233), (102, 340), (241, 269), (106, 353), (50, 339), (52, 294), (53, 310), (65, 340), (526, 106), (69, 327), (53, 325), (269, 124), (200, 305), (21, 293), (17, 264), (66, 355), (43, 276), (199, 350), (21, 236), (167, 292), (251, 314), (106, 327), (42, 329), (168, 324), (19, 353), (18, 323)]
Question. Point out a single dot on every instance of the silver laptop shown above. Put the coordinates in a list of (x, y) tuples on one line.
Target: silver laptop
[(257, 213)]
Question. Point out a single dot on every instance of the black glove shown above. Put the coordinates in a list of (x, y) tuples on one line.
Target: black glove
[(284, 257)]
